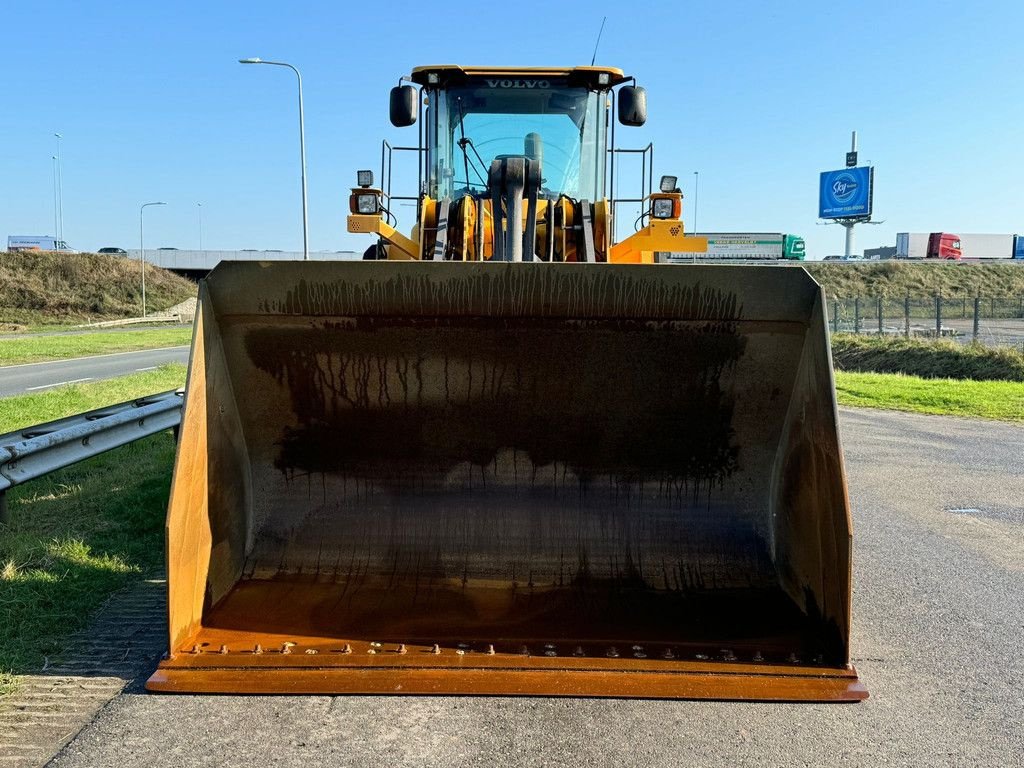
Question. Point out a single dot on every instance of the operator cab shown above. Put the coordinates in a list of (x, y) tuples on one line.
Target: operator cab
[(515, 136), (553, 118)]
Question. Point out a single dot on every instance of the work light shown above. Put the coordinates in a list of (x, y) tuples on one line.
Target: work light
[(663, 208), (366, 203)]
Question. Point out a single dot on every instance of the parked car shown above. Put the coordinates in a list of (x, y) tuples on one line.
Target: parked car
[(116, 251)]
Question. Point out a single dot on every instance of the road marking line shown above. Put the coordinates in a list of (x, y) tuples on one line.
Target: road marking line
[(58, 384), (92, 357), (150, 368)]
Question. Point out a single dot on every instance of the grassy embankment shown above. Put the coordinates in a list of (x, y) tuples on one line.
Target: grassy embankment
[(40, 290), (32, 348), (79, 534), (926, 358), (895, 279)]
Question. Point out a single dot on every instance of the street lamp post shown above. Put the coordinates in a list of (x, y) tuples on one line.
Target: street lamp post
[(302, 148), (56, 223), (142, 253), (696, 187), (199, 206), (60, 193)]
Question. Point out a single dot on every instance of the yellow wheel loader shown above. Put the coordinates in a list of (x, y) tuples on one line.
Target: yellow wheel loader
[(506, 453)]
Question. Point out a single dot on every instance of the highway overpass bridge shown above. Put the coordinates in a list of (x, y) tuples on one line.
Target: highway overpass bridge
[(195, 264)]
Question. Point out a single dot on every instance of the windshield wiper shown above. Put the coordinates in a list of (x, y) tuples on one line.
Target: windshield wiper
[(462, 142)]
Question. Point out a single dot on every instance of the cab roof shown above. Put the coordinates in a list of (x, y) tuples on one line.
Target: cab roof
[(587, 76)]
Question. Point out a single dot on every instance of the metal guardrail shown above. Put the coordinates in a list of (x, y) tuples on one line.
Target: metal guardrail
[(38, 450)]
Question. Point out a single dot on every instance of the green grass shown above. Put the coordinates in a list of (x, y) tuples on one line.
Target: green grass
[(1002, 400), (26, 410), (74, 537), (928, 376), (33, 349)]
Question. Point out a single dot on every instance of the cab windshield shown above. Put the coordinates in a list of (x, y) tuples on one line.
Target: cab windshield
[(473, 124)]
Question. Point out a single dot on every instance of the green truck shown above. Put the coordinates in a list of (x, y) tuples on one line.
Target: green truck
[(741, 246)]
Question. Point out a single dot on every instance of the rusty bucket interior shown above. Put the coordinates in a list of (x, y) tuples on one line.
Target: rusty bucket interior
[(543, 479)]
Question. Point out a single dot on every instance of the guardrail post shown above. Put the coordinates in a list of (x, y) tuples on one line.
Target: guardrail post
[(977, 316), (835, 315), (906, 315), (879, 315), (938, 317), (856, 315), (4, 515)]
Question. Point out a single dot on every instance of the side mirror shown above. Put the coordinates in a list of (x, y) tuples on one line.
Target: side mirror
[(632, 105), (404, 105)]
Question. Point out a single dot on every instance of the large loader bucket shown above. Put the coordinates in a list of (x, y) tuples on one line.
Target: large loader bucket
[(543, 479)]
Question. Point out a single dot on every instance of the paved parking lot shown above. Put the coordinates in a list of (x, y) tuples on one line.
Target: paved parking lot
[(938, 628)]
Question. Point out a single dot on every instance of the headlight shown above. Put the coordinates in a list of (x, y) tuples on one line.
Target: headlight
[(662, 208), (366, 203)]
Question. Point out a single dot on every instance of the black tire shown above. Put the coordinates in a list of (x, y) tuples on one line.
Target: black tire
[(375, 253)]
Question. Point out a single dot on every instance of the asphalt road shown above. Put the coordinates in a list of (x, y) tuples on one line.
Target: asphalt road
[(938, 628), (38, 377), (994, 333)]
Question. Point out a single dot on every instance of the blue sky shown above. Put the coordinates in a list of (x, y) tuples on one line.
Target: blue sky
[(759, 97)]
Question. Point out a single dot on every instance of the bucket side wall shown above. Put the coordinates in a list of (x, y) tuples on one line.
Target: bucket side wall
[(188, 528), (809, 501), (210, 506)]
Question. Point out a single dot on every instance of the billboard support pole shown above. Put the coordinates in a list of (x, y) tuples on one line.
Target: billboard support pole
[(849, 224)]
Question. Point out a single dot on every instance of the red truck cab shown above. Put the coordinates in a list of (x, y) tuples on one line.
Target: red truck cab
[(943, 245)]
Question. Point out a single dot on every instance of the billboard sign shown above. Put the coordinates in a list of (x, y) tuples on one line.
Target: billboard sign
[(846, 194)]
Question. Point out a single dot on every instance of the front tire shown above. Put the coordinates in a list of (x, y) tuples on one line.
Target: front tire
[(375, 252)]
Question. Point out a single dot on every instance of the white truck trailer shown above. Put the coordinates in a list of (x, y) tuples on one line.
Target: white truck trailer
[(37, 243), (987, 246)]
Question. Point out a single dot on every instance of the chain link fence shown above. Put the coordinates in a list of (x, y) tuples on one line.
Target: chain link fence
[(988, 320)]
